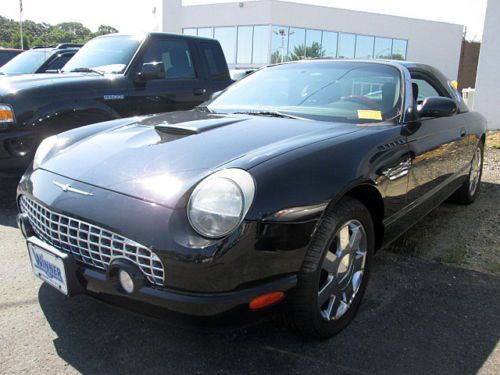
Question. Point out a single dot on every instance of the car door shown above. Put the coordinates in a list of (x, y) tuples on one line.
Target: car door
[(182, 87), (438, 147), (215, 66)]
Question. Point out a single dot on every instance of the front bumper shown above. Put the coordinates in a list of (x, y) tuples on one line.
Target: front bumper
[(17, 150), (207, 280)]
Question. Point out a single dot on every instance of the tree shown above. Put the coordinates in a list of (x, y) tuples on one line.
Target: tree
[(105, 29), (42, 34)]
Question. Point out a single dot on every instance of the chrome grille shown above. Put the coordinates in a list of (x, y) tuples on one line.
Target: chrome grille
[(90, 244)]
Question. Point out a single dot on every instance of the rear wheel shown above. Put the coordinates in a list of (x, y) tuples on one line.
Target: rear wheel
[(335, 271), (467, 193)]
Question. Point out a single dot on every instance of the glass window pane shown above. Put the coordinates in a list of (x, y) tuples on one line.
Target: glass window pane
[(296, 43), (227, 39), (260, 45), (313, 44), (244, 45), (383, 48), (364, 47), (329, 44), (206, 32), (399, 49), (192, 31), (279, 43), (346, 45)]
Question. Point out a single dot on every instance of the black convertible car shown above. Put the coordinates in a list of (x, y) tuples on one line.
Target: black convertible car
[(274, 195)]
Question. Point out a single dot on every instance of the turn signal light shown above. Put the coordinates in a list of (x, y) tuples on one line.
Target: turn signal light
[(6, 114), (266, 300)]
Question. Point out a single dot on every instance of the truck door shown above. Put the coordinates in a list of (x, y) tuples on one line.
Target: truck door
[(182, 88)]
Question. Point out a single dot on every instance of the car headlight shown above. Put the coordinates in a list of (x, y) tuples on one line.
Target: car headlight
[(43, 150), (220, 202), (6, 114)]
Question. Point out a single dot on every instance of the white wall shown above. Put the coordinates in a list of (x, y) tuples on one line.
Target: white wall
[(434, 43), (487, 96)]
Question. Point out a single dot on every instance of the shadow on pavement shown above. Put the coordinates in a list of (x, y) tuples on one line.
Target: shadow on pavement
[(418, 317)]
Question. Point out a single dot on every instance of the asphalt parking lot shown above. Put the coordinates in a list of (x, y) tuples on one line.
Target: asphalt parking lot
[(418, 316)]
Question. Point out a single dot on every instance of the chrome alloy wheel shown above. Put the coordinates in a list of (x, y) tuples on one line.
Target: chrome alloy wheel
[(475, 171), (342, 270)]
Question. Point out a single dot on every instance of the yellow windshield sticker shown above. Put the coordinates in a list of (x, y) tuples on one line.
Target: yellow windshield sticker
[(368, 114)]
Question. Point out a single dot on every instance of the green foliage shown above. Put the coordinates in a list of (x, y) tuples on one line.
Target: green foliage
[(42, 34), (302, 52)]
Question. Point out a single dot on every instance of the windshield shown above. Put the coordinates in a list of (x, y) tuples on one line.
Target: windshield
[(107, 54), (332, 91), (26, 62)]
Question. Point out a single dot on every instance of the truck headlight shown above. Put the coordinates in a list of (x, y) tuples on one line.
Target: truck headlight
[(220, 202), (43, 150), (6, 114)]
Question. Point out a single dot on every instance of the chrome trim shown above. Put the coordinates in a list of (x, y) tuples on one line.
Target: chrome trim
[(67, 187), (88, 243)]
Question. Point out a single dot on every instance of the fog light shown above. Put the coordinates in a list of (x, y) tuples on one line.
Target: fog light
[(126, 281)]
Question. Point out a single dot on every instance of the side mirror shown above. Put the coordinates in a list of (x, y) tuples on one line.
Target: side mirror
[(215, 94), (151, 70), (437, 106)]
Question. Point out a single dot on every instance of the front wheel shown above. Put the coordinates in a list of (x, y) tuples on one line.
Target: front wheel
[(335, 271)]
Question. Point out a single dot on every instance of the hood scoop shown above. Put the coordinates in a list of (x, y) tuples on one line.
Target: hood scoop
[(194, 127)]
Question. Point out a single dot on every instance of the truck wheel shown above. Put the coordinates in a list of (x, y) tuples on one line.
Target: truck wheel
[(335, 271), (469, 190)]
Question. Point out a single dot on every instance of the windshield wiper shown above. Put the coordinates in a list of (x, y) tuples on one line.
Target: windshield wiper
[(87, 70), (268, 114)]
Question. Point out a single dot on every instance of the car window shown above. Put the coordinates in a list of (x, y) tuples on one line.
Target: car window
[(175, 56), (26, 62), (110, 54), (337, 91), (58, 62), (425, 89), (6, 56), (217, 67)]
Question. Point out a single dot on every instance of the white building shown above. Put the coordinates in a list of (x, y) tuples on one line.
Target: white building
[(253, 33), (487, 98)]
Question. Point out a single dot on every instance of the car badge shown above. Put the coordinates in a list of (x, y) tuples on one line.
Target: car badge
[(67, 187)]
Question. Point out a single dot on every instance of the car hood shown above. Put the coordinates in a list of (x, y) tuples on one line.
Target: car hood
[(160, 157), (15, 84)]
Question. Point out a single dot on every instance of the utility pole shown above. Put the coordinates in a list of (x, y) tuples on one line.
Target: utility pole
[(21, 22)]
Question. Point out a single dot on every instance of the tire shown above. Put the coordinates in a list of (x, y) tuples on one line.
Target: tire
[(469, 190), (327, 265)]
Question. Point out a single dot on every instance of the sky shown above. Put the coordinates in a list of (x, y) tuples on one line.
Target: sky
[(130, 16)]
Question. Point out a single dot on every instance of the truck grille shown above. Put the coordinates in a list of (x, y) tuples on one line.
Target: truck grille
[(90, 244)]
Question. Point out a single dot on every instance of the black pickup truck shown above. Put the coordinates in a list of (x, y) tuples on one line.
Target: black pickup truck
[(112, 76)]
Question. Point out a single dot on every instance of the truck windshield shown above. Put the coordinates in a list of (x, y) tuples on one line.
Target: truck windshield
[(356, 92), (26, 62), (109, 54)]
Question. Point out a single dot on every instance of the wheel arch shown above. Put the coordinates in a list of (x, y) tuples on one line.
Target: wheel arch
[(370, 197)]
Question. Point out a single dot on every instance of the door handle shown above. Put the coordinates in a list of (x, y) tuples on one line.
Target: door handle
[(199, 92), (463, 132)]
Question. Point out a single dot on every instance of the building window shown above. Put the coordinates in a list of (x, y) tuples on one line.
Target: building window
[(329, 44), (313, 44), (364, 47), (260, 46), (206, 32), (399, 49), (191, 31), (296, 44), (245, 45), (347, 43), (383, 48), (279, 44), (227, 39)]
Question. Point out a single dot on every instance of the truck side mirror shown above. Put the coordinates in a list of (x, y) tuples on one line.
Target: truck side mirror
[(151, 70)]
